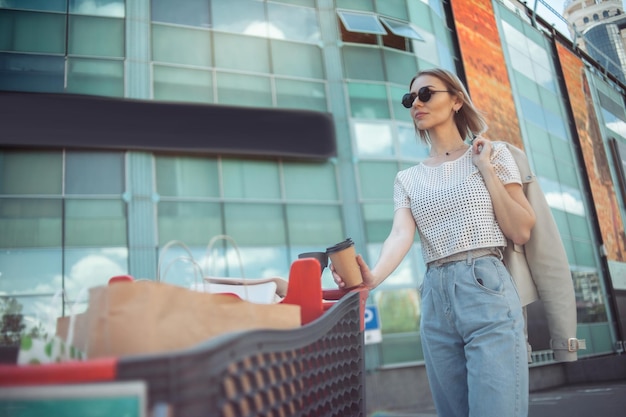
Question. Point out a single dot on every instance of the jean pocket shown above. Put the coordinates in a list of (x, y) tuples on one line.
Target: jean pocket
[(488, 275)]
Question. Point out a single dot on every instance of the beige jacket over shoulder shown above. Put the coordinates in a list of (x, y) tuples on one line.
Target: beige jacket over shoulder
[(540, 268)]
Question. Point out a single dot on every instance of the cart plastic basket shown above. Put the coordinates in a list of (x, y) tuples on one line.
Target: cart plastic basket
[(316, 370)]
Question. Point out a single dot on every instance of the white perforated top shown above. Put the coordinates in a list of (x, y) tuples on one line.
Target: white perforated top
[(451, 204)]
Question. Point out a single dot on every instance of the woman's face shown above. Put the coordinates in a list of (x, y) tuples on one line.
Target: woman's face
[(433, 106)]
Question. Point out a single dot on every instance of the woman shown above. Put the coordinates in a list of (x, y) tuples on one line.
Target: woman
[(464, 200)]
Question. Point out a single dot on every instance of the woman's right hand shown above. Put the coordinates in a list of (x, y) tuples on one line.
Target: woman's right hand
[(366, 274)]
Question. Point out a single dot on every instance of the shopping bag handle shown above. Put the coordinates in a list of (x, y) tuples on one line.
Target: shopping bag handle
[(209, 251)]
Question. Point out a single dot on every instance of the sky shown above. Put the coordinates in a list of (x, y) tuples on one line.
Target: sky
[(548, 15)]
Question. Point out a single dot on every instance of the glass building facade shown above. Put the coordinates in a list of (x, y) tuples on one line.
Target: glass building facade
[(71, 218)]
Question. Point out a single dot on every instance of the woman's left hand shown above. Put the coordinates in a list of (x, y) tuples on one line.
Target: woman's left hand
[(481, 152)]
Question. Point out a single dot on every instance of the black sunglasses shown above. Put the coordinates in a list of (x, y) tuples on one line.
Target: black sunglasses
[(424, 94)]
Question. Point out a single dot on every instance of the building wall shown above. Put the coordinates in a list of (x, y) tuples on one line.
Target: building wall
[(72, 217)]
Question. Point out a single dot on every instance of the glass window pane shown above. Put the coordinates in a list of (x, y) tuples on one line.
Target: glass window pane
[(378, 220), (17, 34), (30, 223), (182, 84), (95, 223), (399, 66), (315, 182), (376, 179), (181, 45), (244, 53), (366, 5), (368, 101), (187, 177), (96, 36), (301, 95), (363, 63), (579, 227), (410, 144), (240, 16), (244, 90), (188, 12), (31, 172), (32, 271), (395, 8), (86, 268), (314, 225), (190, 222), (250, 179), (402, 29), (43, 5), (94, 173), (400, 112), (33, 73), (361, 22), (255, 224), (111, 8), (373, 139), (309, 3), (97, 77), (289, 58), (293, 23)]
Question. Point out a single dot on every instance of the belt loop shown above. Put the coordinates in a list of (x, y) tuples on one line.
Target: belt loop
[(469, 257), (500, 253)]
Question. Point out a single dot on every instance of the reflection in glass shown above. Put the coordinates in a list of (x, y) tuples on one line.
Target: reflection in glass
[(240, 16), (31, 271), (410, 144), (590, 303), (293, 23), (562, 197), (111, 8), (90, 267), (373, 139)]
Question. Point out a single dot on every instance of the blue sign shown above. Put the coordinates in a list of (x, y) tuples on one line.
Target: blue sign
[(372, 322)]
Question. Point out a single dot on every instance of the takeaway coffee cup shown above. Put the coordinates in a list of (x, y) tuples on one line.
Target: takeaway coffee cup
[(343, 257), (322, 257)]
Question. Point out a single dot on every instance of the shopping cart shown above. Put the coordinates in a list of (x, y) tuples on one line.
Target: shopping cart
[(316, 370)]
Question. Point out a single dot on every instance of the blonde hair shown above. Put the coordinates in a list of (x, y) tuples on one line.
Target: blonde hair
[(469, 121)]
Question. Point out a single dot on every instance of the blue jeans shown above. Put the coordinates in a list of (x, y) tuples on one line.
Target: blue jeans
[(472, 331)]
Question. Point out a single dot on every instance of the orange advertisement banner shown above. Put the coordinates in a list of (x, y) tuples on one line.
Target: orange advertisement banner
[(485, 68), (594, 154)]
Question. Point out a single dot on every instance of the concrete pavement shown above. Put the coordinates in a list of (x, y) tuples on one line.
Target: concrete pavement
[(607, 399)]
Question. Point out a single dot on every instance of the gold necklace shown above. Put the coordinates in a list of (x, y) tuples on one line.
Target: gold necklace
[(447, 153)]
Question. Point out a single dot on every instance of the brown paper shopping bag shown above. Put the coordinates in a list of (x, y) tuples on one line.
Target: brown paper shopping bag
[(149, 317)]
